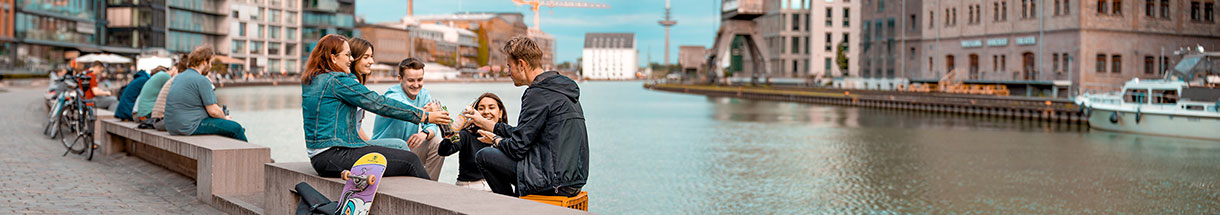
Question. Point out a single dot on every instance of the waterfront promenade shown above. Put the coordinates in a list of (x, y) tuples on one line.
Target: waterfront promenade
[(36, 179)]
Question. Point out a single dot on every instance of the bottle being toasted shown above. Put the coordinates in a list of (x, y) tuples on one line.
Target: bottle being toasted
[(450, 131)]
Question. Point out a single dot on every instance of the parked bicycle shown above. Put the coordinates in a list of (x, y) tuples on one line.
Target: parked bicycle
[(76, 116), (55, 105)]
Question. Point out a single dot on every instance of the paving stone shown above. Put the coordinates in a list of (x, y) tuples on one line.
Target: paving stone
[(38, 180)]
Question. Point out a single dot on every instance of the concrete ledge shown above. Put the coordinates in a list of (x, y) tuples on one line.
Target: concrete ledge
[(397, 195), (220, 165)]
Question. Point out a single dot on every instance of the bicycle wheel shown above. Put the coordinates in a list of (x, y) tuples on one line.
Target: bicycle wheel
[(52, 127), (66, 122), (87, 121), (71, 137)]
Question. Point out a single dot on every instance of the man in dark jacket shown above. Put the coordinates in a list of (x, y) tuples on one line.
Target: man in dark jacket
[(548, 152)]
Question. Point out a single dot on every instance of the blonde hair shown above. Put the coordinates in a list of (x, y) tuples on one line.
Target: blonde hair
[(523, 48)]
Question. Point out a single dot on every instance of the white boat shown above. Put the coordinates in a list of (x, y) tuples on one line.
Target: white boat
[(1156, 107), (1167, 107)]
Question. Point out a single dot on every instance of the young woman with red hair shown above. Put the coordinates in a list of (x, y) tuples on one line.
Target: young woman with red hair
[(330, 97)]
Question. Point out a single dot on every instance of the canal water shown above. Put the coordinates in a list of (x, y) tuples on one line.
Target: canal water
[(665, 153)]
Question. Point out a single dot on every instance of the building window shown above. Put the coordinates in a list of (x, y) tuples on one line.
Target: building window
[(1118, 7), (796, 22), (1024, 9), (1164, 66), (261, 29), (1067, 7), (954, 17), (829, 17), (1116, 63), (1004, 10), (238, 46), (1101, 63), (880, 5), (1103, 7), (1165, 9), (806, 44), (828, 67), (1032, 11), (241, 29), (995, 63), (914, 23), (828, 41), (1055, 62), (1057, 7), (1003, 62), (1149, 65), (1209, 11), (931, 19), (846, 42), (995, 13), (846, 17), (1065, 61), (796, 45), (1150, 8)]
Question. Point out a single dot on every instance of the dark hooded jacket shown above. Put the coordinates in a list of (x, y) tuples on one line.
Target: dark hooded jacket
[(550, 143), (127, 100)]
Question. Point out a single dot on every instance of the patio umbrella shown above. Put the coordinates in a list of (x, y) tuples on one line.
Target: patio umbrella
[(104, 58)]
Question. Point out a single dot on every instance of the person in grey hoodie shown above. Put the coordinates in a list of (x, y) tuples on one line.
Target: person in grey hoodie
[(547, 153)]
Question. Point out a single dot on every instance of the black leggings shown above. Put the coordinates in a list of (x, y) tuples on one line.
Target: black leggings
[(399, 162)]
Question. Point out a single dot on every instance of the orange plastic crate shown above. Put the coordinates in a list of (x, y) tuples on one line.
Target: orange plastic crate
[(578, 202)]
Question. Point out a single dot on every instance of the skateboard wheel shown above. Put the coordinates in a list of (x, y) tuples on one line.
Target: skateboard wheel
[(372, 179), (344, 175)]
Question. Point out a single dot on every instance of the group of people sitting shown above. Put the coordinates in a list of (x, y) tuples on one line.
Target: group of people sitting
[(180, 100), (545, 154)]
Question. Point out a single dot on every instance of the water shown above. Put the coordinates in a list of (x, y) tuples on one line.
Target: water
[(665, 153)]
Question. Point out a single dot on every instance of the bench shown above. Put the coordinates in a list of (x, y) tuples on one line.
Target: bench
[(397, 195), (219, 165)]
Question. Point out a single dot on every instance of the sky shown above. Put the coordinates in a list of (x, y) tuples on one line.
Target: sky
[(697, 21)]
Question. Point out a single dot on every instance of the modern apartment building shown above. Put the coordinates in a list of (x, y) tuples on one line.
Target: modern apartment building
[(266, 35)]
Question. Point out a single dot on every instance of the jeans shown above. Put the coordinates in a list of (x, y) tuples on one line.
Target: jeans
[(109, 103), (222, 127), (501, 174), (499, 170), (390, 143), (331, 162)]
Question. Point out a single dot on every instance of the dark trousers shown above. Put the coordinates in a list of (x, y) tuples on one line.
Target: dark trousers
[(222, 127), (331, 162), (501, 174), (499, 170)]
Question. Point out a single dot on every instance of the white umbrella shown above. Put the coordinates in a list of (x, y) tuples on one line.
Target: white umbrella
[(381, 67), (104, 58)]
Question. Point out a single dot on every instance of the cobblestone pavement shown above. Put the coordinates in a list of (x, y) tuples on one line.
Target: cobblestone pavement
[(36, 179)]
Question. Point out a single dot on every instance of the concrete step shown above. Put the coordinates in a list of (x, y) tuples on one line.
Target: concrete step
[(248, 204)]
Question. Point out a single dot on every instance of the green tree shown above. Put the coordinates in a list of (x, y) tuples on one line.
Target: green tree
[(484, 48), (841, 58)]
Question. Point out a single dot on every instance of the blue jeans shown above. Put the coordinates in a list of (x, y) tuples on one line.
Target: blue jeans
[(390, 143), (222, 127)]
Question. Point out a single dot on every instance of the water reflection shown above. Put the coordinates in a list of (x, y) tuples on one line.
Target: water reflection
[(667, 153)]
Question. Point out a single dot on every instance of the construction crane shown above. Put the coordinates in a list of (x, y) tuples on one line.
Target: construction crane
[(535, 4)]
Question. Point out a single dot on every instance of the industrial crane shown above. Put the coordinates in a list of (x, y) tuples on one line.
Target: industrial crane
[(535, 4)]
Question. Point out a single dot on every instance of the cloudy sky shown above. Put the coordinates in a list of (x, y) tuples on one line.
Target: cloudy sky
[(697, 21)]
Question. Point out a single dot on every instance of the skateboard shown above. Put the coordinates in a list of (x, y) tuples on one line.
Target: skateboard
[(361, 186)]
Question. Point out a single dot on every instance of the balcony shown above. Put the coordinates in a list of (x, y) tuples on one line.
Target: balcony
[(742, 9)]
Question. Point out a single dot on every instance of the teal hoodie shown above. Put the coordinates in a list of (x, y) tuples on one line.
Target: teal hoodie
[(392, 128)]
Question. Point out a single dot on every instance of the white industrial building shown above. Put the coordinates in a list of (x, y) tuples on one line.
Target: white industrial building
[(609, 56)]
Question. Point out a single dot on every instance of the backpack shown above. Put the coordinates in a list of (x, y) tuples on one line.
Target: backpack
[(314, 203)]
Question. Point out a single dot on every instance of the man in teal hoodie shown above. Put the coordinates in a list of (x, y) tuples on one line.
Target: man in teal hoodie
[(423, 140)]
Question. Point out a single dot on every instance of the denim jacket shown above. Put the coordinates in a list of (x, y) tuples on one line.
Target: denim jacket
[(329, 103)]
